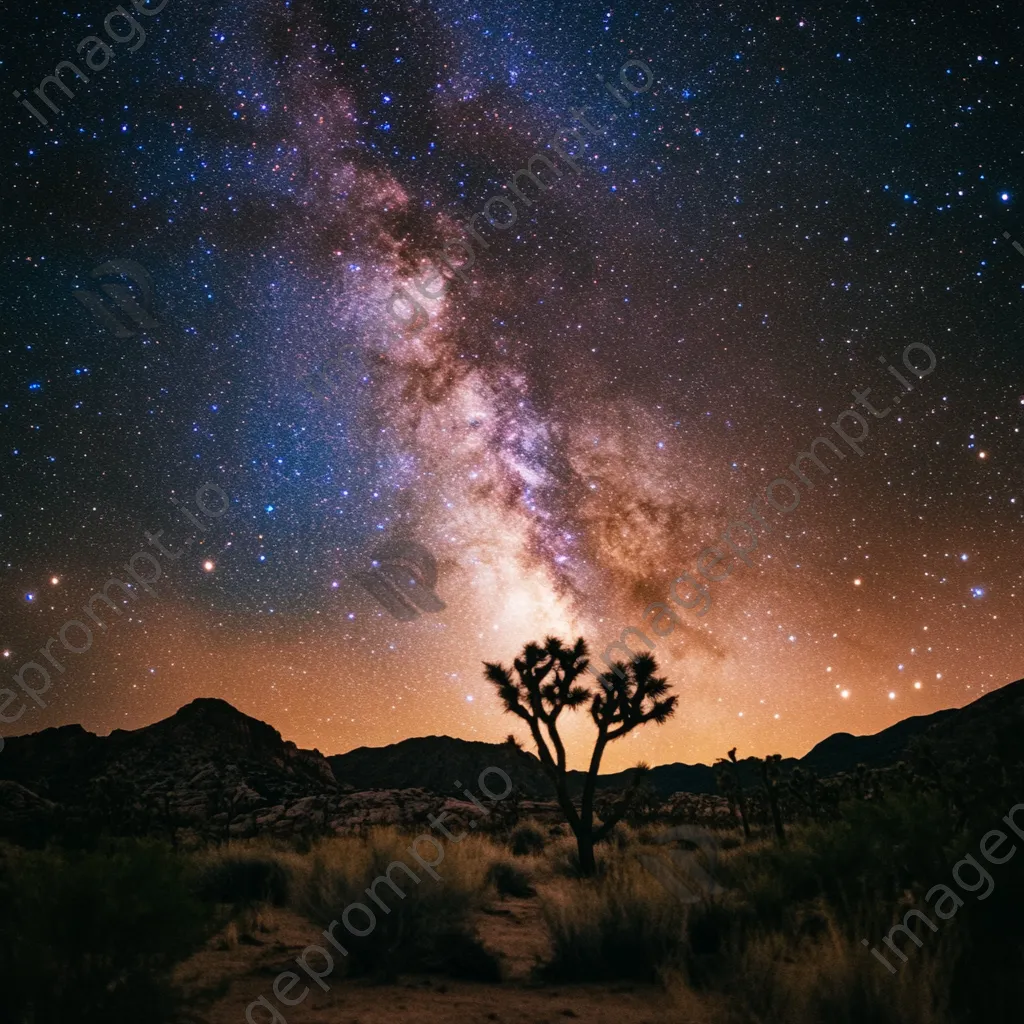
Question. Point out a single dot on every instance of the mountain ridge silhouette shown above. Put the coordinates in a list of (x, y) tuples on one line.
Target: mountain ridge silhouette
[(59, 762)]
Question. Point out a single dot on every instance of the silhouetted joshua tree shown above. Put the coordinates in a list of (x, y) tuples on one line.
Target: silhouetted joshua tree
[(815, 798), (724, 785), (505, 815), (770, 775), (637, 804), (737, 789), (163, 815), (546, 684)]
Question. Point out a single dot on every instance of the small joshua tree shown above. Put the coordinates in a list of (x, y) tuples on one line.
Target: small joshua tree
[(547, 683), (806, 788), (505, 815), (770, 776), (738, 795), (638, 803), (725, 785)]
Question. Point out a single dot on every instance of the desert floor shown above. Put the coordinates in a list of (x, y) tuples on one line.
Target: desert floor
[(221, 982)]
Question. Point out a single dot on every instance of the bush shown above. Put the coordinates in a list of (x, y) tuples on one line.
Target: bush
[(822, 977), (786, 942), (866, 860), (620, 926), (509, 880), (92, 936), (243, 879), (526, 840), (427, 926)]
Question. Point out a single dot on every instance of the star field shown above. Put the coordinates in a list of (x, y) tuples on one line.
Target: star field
[(802, 193)]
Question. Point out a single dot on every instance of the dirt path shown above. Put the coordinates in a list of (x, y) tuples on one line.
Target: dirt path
[(516, 927), (221, 983)]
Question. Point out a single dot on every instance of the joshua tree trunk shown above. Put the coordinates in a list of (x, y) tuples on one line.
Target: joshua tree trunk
[(780, 833), (585, 836), (585, 848), (770, 777), (740, 799)]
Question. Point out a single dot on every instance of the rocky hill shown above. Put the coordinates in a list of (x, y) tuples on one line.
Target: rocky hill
[(437, 763), (432, 761), (64, 764), (840, 752), (210, 772)]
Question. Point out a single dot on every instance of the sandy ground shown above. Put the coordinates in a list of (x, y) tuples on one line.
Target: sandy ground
[(221, 983)]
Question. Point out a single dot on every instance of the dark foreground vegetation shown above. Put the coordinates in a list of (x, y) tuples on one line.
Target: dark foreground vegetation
[(92, 935), (93, 925)]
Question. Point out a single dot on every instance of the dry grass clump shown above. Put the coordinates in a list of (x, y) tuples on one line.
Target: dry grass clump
[(526, 840), (510, 879), (782, 943), (425, 923), (246, 873), (830, 979), (621, 924), (783, 946)]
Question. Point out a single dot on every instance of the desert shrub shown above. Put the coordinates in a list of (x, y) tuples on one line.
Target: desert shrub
[(873, 854), (622, 925), (819, 977), (786, 941), (509, 880), (623, 836), (526, 840), (646, 834), (427, 924), (563, 858), (242, 878), (92, 936)]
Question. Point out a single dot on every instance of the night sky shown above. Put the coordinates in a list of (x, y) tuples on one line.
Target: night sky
[(801, 194)]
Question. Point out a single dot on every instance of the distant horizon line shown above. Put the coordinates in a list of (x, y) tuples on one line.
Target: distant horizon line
[(498, 743)]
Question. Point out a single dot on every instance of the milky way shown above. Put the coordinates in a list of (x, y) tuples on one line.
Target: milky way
[(579, 414)]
